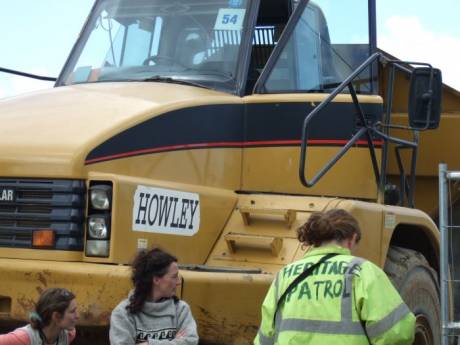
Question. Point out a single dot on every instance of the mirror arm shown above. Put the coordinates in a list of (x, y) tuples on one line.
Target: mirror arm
[(403, 186), (391, 139), (394, 126)]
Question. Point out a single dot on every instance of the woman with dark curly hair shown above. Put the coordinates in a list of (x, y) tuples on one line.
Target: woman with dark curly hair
[(52, 322), (331, 296), (152, 314)]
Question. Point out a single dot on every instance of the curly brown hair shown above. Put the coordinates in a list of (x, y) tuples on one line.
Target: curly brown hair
[(321, 227), (146, 265)]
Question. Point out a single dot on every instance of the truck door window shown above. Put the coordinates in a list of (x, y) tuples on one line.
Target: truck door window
[(271, 21), (329, 41)]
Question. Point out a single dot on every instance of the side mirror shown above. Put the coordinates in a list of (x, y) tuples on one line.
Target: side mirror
[(425, 95)]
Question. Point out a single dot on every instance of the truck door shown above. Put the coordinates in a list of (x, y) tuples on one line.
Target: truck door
[(322, 44)]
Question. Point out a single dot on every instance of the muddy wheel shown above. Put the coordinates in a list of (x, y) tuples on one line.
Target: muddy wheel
[(418, 285)]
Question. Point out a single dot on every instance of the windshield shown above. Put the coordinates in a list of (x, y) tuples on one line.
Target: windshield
[(195, 41)]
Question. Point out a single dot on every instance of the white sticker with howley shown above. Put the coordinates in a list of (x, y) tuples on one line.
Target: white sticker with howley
[(166, 211)]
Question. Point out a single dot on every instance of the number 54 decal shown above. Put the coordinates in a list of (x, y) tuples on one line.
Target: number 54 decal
[(230, 19), (227, 18)]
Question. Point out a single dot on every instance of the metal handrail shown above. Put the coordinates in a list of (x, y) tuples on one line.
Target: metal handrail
[(364, 130), (368, 130)]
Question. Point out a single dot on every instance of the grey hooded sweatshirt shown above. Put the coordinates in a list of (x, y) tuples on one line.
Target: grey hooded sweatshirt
[(157, 323)]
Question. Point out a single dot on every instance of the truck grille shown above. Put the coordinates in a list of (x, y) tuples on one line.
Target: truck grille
[(42, 204)]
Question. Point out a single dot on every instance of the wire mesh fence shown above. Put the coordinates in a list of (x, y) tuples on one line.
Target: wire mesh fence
[(449, 224)]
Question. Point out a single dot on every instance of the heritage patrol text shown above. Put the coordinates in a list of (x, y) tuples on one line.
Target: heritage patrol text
[(334, 287)]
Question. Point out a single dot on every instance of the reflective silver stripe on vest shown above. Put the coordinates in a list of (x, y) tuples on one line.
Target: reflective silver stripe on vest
[(263, 340), (388, 321), (278, 320), (347, 297), (318, 326), (277, 283)]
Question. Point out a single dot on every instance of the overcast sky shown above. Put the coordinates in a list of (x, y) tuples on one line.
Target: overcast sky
[(37, 36)]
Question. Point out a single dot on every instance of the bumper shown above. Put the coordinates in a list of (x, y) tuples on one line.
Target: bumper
[(98, 288), (225, 305)]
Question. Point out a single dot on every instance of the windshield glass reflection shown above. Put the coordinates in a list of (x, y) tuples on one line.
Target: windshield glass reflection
[(155, 40)]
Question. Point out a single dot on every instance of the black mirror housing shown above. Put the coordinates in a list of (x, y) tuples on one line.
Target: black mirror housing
[(425, 96)]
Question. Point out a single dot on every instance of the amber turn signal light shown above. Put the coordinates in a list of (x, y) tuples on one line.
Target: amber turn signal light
[(43, 238)]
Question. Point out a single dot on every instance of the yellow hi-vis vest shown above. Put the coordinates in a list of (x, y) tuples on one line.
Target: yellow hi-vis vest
[(345, 300)]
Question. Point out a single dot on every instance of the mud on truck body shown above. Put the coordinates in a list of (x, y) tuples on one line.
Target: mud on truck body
[(213, 129)]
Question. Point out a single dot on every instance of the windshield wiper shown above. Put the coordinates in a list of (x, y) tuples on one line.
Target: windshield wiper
[(227, 76), (173, 81)]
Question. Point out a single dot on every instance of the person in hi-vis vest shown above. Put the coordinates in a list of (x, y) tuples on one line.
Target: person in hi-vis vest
[(332, 297)]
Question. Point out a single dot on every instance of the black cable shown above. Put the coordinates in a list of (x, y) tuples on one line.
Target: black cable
[(28, 75)]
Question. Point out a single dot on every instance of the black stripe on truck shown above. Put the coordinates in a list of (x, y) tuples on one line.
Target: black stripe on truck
[(234, 125)]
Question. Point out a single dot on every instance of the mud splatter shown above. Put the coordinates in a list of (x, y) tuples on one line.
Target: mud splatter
[(26, 304), (42, 279)]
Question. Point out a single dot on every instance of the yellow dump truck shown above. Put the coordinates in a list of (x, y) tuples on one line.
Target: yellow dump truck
[(213, 129)]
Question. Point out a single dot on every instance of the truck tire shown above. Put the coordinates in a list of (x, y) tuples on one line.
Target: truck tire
[(417, 284)]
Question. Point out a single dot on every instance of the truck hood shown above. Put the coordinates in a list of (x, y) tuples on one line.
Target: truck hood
[(53, 130)]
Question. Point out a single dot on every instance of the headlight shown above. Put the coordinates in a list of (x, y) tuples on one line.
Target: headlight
[(101, 196), (97, 248), (99, 219), (98, 227)]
